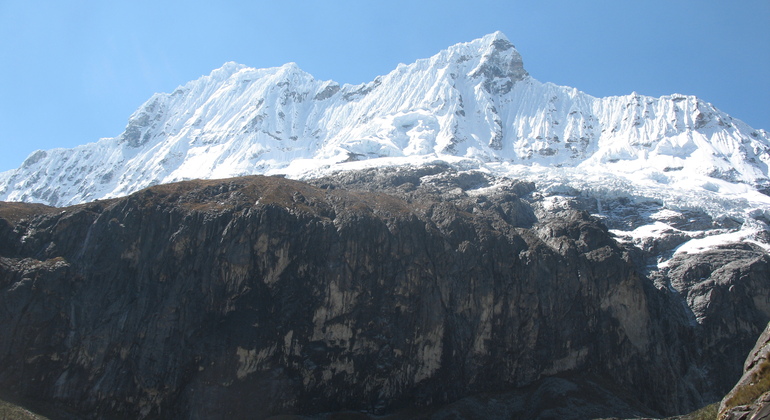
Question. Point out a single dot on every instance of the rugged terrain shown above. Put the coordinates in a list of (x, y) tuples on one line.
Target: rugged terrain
[(750, 398), (460, 240), (420, 292), (473, 103)]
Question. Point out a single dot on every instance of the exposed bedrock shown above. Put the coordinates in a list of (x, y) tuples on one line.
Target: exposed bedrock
[(256, 296)]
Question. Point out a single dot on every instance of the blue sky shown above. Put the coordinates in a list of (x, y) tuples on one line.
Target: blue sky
[(73, 71)]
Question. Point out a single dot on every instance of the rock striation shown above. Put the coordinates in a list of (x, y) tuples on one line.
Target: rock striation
[(419, 293)]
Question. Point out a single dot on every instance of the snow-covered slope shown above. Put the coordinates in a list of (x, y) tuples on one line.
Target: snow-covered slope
[(472, 104)]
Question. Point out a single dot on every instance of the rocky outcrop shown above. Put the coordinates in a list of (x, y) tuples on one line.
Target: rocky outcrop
[(10, 411), (435, 293), (727, 295), (750, 398)]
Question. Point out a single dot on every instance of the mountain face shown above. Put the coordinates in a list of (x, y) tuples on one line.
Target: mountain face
[(460, 240), (421, 293), (473, 102)]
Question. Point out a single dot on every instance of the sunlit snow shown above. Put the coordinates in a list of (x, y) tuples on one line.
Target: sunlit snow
[(472, 105)]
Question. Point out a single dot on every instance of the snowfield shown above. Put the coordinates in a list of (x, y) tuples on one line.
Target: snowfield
[(472, 105)]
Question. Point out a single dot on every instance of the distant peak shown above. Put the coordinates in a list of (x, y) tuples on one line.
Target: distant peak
[(232, 65), (500, 63), (227, 70), (496, 41), (292, 71), (494, 37), (291, 67), (498, 35)]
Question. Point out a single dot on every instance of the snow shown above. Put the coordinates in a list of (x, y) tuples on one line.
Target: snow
[(656, 229), (699, 245), (472, 105)]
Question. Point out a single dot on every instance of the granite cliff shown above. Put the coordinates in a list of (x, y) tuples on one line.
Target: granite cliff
[(414, 293)]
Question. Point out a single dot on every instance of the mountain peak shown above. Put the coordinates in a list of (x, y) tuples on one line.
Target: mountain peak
[(228, 69), (497, 35), (497, 40), (501, 64), (472, 100)]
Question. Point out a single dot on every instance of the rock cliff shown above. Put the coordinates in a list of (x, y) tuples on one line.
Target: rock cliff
[(750, 398), (422, 293)]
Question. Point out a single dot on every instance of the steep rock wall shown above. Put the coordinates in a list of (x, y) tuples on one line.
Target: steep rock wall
[(256, 296)]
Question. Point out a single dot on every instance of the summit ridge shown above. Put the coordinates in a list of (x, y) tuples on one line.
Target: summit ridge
[(472, 104)]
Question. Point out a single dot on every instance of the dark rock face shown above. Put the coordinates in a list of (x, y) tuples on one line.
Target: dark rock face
[(253, 297), (750, 398), (728, 293)]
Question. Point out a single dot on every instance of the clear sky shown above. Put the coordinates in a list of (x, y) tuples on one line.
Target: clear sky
[(73, 71)]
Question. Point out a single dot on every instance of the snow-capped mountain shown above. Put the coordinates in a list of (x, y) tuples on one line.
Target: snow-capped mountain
[(473, 104), (530, 217)]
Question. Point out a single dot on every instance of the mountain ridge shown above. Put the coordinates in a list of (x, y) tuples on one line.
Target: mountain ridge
[(455, 237), (473, 102)]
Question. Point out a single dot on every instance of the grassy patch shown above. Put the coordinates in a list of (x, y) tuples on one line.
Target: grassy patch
[(708, 412), (10, 411), (759, 384)]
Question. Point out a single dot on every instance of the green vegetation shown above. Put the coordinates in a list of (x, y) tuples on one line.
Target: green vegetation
[(759, 384), (708, 412)]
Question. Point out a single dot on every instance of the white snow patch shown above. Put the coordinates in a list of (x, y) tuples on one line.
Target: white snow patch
[(698, 245), (654, 230)]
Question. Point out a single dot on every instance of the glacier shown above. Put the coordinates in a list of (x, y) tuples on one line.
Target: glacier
[(472, 105)]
